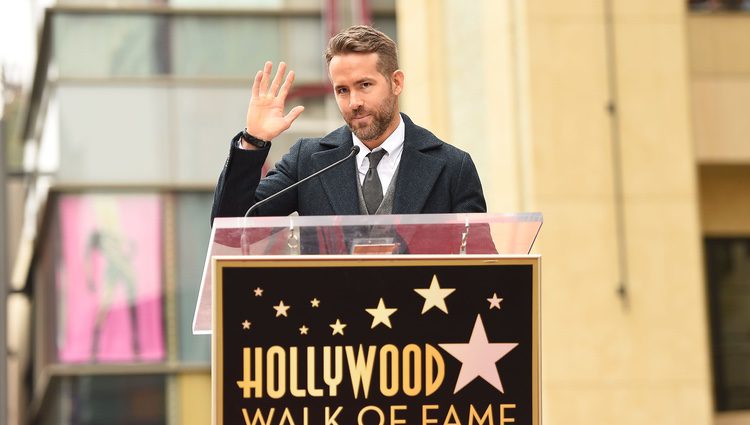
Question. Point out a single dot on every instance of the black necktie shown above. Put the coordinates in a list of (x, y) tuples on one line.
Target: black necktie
[(372, 190)]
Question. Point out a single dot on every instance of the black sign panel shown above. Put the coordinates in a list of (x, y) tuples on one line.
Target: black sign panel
[(376, 342)]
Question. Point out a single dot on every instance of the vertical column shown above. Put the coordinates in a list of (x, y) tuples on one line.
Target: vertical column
[(422, 56), (462, 83), (3, 266)]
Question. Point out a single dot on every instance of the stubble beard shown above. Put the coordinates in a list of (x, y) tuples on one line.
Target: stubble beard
[(381, 119)]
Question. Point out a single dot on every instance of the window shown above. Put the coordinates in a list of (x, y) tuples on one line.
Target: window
[(728, 269), (719, 5)]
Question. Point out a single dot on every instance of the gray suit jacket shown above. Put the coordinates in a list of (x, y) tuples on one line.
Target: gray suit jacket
[(433, 177)]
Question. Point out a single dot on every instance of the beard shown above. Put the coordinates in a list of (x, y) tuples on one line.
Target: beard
[(381, 118)]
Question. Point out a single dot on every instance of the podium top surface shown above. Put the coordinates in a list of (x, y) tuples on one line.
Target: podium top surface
[(446, 234)]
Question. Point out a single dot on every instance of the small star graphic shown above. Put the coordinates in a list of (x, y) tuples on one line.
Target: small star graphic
[(246, 325), (494, 301), (381, 314), (315, 302), (435, 296), (281, 309), (303, 330), (258, 291), (478, 358), (338, 327)]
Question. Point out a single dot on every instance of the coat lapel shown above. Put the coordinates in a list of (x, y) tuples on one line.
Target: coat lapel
[(339, 183), (418, 171)]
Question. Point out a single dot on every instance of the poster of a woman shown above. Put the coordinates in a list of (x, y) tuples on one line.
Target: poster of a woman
[(109, 279)]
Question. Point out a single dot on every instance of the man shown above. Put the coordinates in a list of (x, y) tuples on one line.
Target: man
[(413, 171)]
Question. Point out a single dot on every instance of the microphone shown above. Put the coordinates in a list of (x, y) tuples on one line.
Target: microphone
[(353, 152)]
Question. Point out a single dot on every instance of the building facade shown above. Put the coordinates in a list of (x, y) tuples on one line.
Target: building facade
[(622, 121)]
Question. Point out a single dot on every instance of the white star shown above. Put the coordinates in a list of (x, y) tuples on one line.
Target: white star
[(478, 357), (258, 292), (434, 296), (281, 309), (381, 314), (315, 302), (494, 301), (303, 330), (338, 327), (246, 325)]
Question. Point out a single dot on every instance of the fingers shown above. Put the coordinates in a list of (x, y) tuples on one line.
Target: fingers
[(266, 78), (293, 114), (256, 83), (277, 80), (287, 85), (263, 81)]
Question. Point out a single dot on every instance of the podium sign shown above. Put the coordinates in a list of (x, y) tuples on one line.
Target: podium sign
[(416, 340)]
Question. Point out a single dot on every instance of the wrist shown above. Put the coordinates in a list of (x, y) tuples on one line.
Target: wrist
[(250, 141)]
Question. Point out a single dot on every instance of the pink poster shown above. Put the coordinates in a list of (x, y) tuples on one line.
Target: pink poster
[(109, 279)]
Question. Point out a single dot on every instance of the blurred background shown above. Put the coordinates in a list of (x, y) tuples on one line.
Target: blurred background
[(626, 122)]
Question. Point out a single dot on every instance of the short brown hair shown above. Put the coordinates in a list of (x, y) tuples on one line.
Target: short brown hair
[(365, 39)]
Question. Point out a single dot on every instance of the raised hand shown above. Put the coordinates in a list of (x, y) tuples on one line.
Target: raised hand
[(265, 114)]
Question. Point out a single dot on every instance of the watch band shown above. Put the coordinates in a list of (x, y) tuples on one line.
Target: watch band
[(258, 143)]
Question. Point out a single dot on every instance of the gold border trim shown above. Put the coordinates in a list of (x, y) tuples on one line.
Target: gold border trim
[(218, 264)]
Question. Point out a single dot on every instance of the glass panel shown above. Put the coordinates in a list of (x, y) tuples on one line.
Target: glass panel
[(107, 45), (383, 4), (204, 130), (304, 49), (110, 2), (471, 233), (172, 134), (109, 290), (113, 400), (225, 3), (227, 47), (193, 232), (387, 25), (304, 3), (728, 267), (114, 133)]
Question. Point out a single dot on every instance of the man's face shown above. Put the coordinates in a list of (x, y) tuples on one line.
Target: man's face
[(367, 100)]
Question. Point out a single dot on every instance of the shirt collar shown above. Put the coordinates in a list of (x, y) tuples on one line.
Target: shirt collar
[(392, 144)]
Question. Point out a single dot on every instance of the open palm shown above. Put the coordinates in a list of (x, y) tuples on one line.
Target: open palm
[(265, 114)]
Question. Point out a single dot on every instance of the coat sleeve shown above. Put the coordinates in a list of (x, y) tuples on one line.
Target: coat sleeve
[(240, 185), (238, 181)]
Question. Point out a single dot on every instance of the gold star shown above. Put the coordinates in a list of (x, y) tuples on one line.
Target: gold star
[(494, 301), (435, 296), (246, 325), (303, 330), (258, 292), (281, 309), (381, 314), (315, 302), (338, 327)]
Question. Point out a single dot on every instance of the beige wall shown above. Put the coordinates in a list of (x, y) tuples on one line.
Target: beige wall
[(532, 106), (194, 391), (720, 85)]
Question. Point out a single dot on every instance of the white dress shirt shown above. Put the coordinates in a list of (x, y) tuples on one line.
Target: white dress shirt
[(393, 146)]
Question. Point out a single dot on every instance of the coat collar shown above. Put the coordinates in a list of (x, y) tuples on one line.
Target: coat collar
[(417, 172)]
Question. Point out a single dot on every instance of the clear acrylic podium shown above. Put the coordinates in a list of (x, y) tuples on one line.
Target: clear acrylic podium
[(425, 234)]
